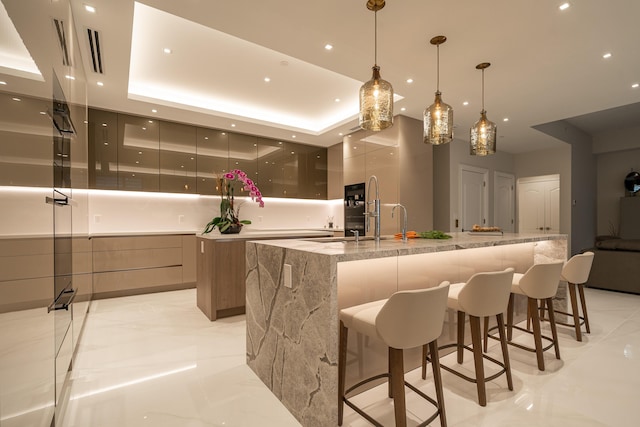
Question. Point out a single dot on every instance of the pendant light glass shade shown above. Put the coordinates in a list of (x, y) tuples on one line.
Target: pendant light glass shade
[(438, 117), (484, 131), (376, 95), (376, 103), (438, 122), (483, 136)]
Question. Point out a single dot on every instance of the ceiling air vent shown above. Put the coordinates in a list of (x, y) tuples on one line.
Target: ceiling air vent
[(62, 38), (96, 53)]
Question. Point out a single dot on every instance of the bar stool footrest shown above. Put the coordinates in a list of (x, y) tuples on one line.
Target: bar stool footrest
[(410, 386), (465, 377), (522, 346)]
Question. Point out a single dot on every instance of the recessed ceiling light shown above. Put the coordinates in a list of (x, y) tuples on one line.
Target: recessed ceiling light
[(106, 143), (635, 85), (233, 125), (192, 158), (144, 128), (506, 119), (279, 142), (3, 83), (151, 121), (340, 134), (328, 46), (607, 55), (69, 77), (154, 111), (43, 113), (104, 124), (17, 99), (564, 6), (465, 103), (337, 100), (409, 80), (267, 79), (403, 109), (139, 152), (137, 162), (206, 137), (89, 8), (166, 50), (293, 136), (224, 133), (100, 84)]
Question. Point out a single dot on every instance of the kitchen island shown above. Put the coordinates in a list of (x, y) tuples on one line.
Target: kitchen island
[(220, 267), (295, 289)]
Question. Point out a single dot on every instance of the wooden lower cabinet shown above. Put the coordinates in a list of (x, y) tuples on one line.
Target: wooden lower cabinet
[(220, 277)]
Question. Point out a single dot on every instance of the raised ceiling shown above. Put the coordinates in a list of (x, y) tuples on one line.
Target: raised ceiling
[(547, 64)]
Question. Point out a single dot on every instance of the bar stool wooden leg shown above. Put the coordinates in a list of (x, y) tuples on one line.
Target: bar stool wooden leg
[(554, 331), (537, 334), (574, 309), (505, 350), (476, 340), (461, 317), (425, 354), (390, 371), (510, 318), (583, 302), (397, 384), (437, 381), (486, 333), (342, 366)]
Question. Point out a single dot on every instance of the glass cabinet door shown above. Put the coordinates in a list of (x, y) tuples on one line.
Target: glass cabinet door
[(138, 153), (243, 153), (270, 167), (212, 159), (103, 150), (177, 158)]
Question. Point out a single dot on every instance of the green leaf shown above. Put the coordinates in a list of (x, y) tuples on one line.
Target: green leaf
[(245, 221)]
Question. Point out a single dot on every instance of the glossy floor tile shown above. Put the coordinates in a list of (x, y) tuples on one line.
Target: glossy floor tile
[(155, 360)]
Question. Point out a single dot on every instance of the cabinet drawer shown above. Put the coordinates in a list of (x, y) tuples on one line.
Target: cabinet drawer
[(26, 267), (136, 279), (135, 259), (135, 242)]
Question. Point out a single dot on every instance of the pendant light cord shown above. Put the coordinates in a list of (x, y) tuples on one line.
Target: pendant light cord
[(375, 37), (483, 89), (438, 68)]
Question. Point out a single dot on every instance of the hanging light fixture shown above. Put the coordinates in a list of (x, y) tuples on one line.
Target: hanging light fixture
[(483, 132), (376, 95), (438, 117)]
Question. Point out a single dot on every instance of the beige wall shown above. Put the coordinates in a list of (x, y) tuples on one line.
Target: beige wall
[(612, 169)]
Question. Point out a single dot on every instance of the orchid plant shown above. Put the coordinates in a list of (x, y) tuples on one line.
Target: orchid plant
[(229, 210)]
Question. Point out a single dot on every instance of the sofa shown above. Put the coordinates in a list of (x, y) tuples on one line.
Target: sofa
[(616, 264)]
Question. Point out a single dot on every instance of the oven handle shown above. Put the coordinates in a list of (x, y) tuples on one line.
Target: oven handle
[(57, 201)]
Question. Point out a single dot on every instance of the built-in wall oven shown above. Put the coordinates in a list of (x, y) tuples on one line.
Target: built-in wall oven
[(354, 208)]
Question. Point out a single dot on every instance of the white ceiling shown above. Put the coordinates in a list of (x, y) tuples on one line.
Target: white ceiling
[(547, 64)]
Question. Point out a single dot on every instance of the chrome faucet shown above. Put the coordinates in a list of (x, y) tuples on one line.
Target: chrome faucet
[(376, 209), (404, 222)]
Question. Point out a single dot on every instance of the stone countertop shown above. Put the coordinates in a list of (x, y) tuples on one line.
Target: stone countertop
[(255, 234), (347, 249)]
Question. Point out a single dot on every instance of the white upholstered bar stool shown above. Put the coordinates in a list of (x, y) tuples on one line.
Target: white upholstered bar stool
[(539, 283), (407, 319), (483, 295), (576, 273)]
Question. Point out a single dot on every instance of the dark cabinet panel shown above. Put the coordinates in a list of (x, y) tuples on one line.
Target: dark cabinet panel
[(138, 153), (243, 155), (177, 158), (25, 141), (212, 159), (270, 179), (103, 150), (305, 171)]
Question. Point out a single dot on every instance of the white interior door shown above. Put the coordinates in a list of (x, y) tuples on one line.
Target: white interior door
[(504, 202), (539, 204), (473, 196)]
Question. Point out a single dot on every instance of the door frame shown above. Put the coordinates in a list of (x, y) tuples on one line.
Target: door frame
[(485, 192), (512, 178)]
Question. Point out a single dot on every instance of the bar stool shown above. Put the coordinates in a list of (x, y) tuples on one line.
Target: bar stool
[(483, 295), (576, 273), (540, 282), (408, 319)]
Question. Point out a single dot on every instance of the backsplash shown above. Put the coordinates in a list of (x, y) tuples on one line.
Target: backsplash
[(24, 212)]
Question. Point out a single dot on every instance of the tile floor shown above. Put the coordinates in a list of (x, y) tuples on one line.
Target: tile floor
[(155, 360)]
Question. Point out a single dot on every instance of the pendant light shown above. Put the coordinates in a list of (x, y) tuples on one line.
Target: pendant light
[(483, 132), (376, 95), (438, 117)]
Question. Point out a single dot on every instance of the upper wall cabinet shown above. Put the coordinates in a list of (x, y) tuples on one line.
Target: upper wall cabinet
[(270, 178), (212, 151), (25, 141), (177, 158), (138, 153), (103, 150)]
